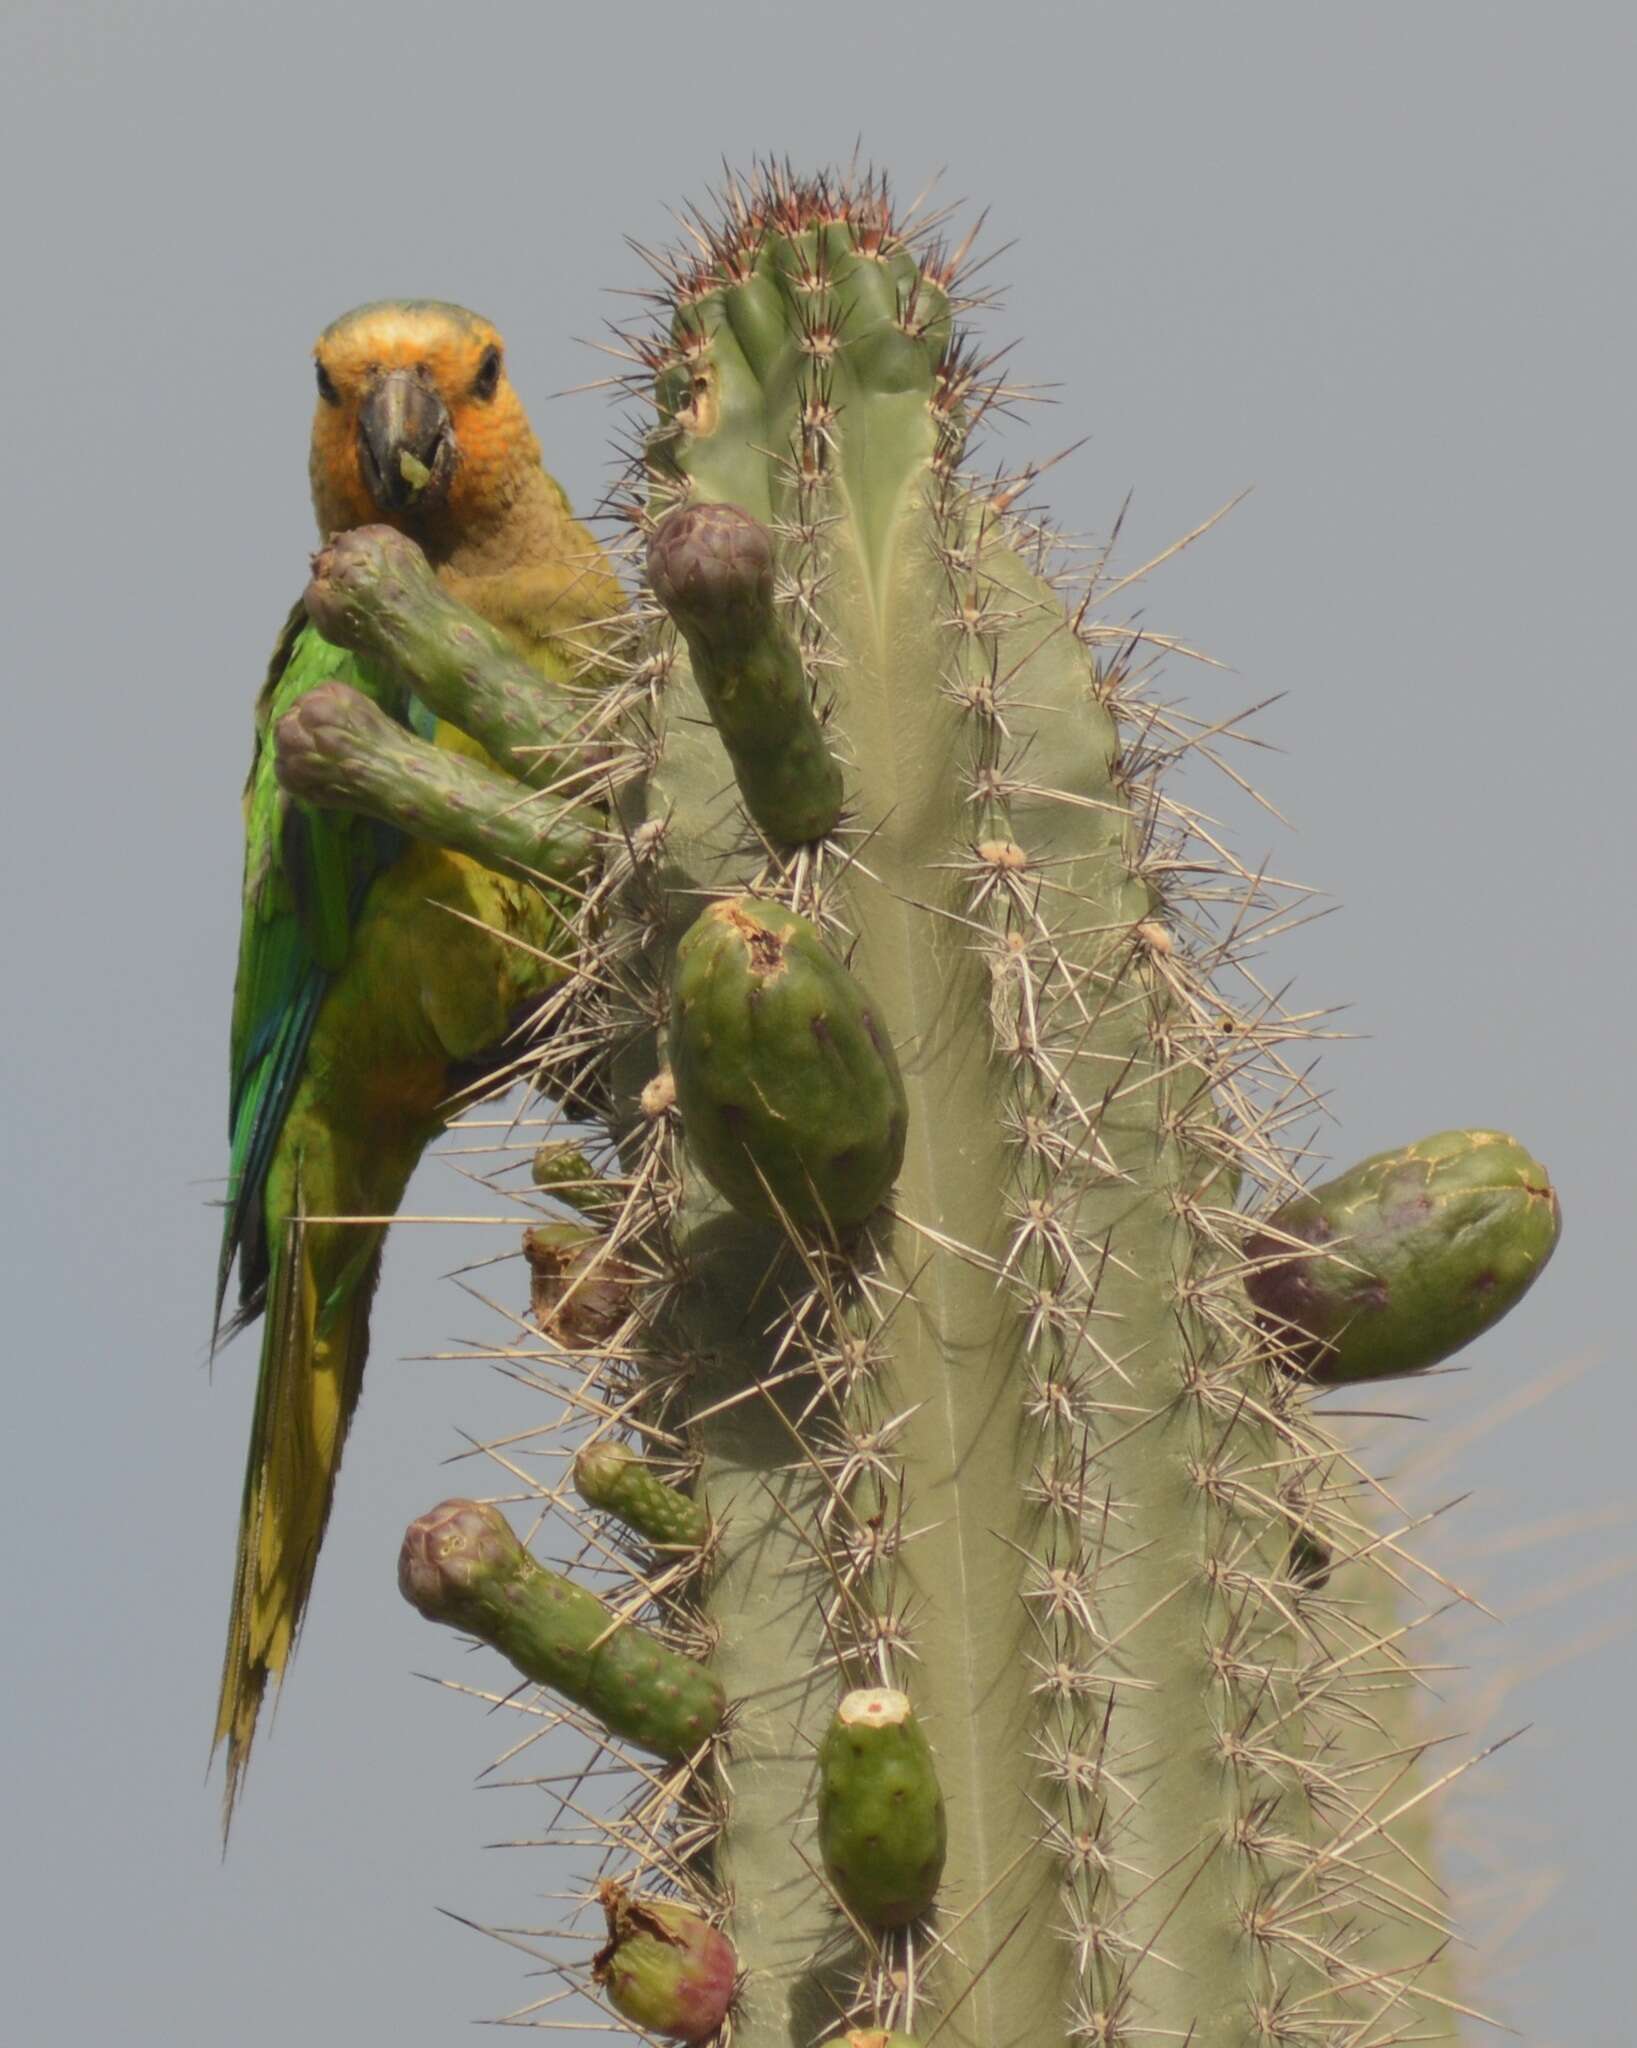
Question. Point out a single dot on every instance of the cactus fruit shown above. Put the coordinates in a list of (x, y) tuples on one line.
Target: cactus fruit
[(1405, 1257), (711, 566), (881, 1822), (662, 1967), (609, 1477), (1028, 1442), (789, 1090), (580, 1291), (461, 1564)]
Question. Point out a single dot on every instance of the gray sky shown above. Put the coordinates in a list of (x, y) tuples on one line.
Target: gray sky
[(1373, 260)]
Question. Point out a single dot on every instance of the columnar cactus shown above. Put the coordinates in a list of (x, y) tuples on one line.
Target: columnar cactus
[(957, 1257)]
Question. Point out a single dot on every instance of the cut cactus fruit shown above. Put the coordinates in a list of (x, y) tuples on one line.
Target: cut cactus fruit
[(881, 1824), (789, 1089)]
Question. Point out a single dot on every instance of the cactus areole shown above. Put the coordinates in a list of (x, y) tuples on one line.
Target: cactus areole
[(935, 1141)]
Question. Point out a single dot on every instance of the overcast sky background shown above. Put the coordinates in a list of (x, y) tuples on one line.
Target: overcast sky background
[(1375, 261)]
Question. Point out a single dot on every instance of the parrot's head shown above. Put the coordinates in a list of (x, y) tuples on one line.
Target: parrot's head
[(417, 424)]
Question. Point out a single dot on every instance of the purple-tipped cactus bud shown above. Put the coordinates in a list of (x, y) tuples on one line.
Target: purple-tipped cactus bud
[(320, 744), (711, 564), (353, 573), (711, 567), (664, 1968), (458, 1561), (461, 1565)]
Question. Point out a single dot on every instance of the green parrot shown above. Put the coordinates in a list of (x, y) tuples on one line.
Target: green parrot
[(373, 970)]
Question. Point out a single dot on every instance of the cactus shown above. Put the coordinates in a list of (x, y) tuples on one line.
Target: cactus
[(711, 566), (561, 1169), (872, 2037), (580, 1292), (1016, 1420)]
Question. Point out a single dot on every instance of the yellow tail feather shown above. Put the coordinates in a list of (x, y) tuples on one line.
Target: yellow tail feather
[(312, 1369)]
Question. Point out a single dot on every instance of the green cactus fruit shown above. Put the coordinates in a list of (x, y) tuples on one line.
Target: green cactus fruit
[(462, 1565), (562, 1170), (881, 1825), (711, 566), (610, 1477), (790, 1093), (580, 1291), (1414, 1253), (663, 1968)]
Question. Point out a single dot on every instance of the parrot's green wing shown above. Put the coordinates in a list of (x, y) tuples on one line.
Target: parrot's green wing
[(306, 873)]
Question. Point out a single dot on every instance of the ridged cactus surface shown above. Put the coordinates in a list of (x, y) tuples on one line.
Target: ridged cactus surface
[(932, 1182)]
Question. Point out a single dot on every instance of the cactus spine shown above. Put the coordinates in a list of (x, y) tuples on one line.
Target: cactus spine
[(1014, 1443)]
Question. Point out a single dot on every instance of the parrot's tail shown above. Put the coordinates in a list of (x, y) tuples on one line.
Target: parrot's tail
[(314, 1343)]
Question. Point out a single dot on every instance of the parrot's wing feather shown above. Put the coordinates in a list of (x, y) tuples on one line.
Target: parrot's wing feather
[(306, 873)]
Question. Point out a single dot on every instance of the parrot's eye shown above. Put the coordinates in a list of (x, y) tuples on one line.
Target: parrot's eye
[(326, 387), (487, 381)]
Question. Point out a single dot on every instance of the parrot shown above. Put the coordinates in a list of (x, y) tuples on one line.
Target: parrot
[(374, 973)]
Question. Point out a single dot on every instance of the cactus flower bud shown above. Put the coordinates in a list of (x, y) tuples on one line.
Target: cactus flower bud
[(461, 1564), (711, 566), (458, 1561)]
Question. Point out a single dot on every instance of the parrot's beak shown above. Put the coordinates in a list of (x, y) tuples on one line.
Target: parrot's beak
[(406, 444)]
